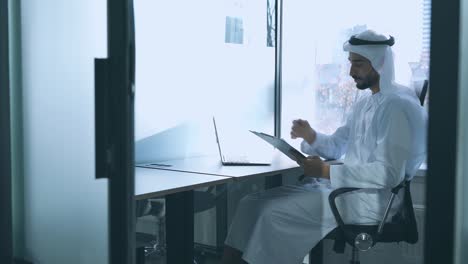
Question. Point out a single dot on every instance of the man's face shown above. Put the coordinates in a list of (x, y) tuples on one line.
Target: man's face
[(362, 71)]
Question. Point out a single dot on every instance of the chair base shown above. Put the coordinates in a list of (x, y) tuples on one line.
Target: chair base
[(355, 257)]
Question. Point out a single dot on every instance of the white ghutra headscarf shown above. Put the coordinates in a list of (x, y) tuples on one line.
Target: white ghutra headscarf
[(377, 49)]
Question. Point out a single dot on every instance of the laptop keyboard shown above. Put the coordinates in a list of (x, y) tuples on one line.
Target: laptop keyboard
[(236, 159)]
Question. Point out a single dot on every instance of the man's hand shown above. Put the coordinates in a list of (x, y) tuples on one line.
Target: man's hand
[(315, 167), (302, 129)]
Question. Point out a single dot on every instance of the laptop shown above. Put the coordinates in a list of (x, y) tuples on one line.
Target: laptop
[(236, 160)]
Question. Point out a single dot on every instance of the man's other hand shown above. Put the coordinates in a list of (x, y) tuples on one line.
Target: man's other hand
[(315, 167), (301, 129)]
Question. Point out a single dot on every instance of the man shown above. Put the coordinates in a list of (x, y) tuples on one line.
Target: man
[(383, 141)]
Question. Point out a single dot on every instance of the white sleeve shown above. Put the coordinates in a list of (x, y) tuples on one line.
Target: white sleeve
[(328, 146), (335, 145), (387, 162)]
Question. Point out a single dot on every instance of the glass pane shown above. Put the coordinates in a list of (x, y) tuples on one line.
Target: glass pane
[(196, 60), (193, 64), (65, 207), (316, 82)]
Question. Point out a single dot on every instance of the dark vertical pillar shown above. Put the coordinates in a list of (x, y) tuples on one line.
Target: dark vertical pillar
[(442, 139), (6, 237), (120, 131)]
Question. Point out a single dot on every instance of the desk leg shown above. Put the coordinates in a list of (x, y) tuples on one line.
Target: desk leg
[(179, 227), (273, 181), (221, 217)]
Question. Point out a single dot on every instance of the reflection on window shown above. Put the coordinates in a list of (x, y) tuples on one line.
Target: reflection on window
[(316, 83), (271, 23), (234, 30)]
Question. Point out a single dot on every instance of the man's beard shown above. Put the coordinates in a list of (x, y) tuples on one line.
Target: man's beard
[(367, 82)]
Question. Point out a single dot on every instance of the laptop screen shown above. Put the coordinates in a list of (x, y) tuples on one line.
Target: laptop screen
[(217, 140)]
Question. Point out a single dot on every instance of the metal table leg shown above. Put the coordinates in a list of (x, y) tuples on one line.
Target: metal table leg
[(179, 227)]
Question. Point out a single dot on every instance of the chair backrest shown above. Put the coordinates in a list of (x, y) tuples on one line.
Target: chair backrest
[(422, 94)]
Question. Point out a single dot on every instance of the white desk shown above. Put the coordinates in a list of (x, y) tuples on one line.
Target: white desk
[(211, 165), (177, 183), (177, 187), (150, 183)]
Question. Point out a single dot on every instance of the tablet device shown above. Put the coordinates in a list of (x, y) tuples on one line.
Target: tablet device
[(282, 146)]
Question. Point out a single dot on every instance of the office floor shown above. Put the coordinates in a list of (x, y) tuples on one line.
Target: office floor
[(208, 260), (162, 260)]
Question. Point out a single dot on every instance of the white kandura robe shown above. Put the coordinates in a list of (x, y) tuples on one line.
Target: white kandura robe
[(383, 139)]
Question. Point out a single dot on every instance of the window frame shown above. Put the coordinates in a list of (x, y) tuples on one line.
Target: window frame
[(6, 225)]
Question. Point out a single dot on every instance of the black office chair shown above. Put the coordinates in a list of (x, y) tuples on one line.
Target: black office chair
[(401, 228), (422, 94)]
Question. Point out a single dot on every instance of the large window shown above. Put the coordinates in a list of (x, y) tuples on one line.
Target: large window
[(198, 59), (316, 84)]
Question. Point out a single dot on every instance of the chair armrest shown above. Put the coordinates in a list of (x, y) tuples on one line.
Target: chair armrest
[(331, 199), (337, 192), (402, 184)]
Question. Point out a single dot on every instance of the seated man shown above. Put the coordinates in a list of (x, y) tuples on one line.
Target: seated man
[(382, 141)]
